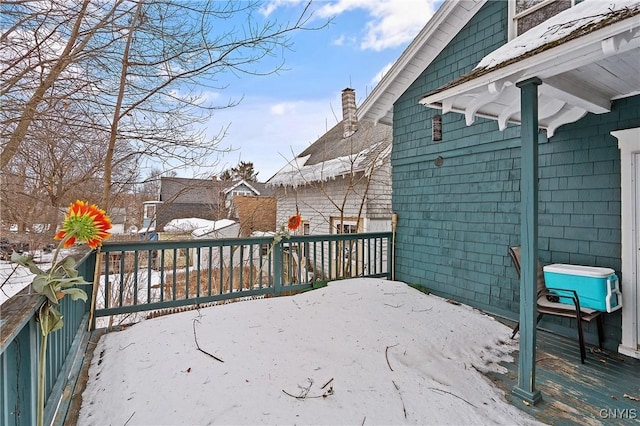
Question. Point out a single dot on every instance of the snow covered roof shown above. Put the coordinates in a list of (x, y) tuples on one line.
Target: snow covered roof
[(333, 156), (147, 229), (196, 226), (585, 56), (212, 227)]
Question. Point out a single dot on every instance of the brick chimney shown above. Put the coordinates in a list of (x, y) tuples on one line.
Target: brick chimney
[(349, 119)]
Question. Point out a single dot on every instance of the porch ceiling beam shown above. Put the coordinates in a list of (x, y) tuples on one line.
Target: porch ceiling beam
[(575, 94)]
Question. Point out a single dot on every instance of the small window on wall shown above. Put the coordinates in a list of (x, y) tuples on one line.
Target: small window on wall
[(346, 226), (436, 128), (150, 210), (526, 14)]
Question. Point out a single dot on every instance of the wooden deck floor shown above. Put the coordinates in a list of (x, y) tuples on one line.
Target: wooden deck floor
[(603, 391)]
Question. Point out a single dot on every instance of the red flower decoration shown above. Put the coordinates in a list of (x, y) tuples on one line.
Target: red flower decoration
[(294, 222), (84, 223)]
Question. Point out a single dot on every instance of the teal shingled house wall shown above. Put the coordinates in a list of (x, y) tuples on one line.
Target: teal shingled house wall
[(456, 220)]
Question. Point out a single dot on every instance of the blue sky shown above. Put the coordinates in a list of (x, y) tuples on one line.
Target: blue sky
[(281, 114)]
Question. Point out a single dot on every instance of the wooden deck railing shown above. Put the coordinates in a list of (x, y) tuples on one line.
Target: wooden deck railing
[(20, 340), (140, 277), (132, 279)]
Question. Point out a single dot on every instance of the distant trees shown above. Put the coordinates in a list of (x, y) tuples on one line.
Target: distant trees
[(92, 90), (244, 170)]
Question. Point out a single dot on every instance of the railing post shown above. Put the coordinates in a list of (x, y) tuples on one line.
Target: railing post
[(277, 267), (391, 273), (87, 270)]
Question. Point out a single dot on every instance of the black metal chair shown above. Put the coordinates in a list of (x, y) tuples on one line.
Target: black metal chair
[(548, 304)]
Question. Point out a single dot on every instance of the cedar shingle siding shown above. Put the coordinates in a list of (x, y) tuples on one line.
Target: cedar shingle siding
[(456, 220)]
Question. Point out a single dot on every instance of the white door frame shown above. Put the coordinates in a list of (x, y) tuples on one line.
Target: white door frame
[(629, 145)]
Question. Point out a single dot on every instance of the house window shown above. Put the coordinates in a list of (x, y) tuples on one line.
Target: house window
[(150, 210), (526, 14), (346, 226), (436, 128)]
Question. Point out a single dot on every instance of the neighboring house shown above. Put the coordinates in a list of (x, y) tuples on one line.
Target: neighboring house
[(460, 167), (342, 182), (118, 216), (199, 198)]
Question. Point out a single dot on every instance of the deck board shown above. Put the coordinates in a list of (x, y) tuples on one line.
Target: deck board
[(603, 391)]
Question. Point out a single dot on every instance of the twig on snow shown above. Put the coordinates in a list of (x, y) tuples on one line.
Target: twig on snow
[(325, 385), (453, 394), (129, 419), (304, 394), (195, 337), (324, 395), (363, 420), (401, 400), (386, 355)]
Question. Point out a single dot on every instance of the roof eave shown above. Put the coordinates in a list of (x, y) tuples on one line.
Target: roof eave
[(483, 85)]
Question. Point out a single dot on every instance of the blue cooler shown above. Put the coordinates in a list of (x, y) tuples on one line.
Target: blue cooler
[(597, 288)]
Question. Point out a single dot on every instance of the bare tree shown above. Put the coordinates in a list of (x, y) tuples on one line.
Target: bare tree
[(137, 70), (335, 189)]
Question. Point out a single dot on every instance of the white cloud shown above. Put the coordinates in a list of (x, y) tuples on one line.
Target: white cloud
[(271, 6), (390, 23), (283, 108), (395, 23), (339, 41)]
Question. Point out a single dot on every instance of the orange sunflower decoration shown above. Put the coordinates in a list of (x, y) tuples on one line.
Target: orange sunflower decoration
[(294, 222), (84, 223)]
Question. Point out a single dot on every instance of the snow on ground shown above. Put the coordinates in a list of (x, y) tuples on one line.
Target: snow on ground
[(360, 351), (14, 277)]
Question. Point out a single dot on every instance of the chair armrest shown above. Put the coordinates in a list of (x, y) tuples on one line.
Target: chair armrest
[(563, 292)]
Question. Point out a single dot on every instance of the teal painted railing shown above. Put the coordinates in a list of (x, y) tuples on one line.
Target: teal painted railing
[(20, 340), (146, 276)]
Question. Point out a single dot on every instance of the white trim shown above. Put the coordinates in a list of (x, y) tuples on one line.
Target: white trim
[(629, 144), (241, 182)]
